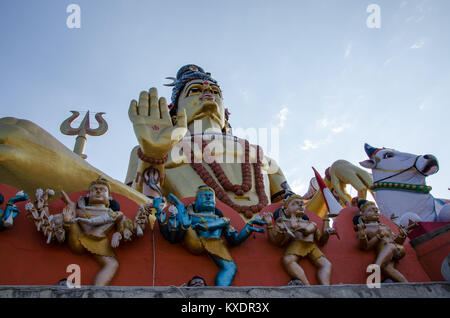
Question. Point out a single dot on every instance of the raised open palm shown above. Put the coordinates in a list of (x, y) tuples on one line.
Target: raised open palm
[(153, 126)]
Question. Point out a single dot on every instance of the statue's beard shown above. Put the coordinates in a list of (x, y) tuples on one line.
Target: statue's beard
[(208, 110)]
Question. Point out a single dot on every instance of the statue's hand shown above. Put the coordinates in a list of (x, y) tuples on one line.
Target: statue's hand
[(199, 226), (267, 217), (257, 222), (153, 126), (158, 204), (69, 211), (127, 234), (115, 240)]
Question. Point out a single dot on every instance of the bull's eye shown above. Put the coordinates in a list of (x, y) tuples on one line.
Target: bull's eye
[(388, 155)]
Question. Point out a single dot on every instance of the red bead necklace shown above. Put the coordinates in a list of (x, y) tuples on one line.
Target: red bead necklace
[(239, 190)]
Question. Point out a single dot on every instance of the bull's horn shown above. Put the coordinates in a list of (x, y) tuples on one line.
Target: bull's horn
[(369, 150)]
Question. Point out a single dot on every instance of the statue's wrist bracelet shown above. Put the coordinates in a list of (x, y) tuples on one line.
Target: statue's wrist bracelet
[(154, 161)]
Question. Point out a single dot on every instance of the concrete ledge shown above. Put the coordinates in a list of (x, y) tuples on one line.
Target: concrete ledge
[(398, 290)]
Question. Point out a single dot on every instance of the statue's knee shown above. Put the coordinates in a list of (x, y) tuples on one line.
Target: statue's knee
[(230, 267), (327, 264), (112, 263), (287, 259)]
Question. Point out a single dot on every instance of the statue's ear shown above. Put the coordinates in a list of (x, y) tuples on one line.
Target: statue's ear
[(370, 163)]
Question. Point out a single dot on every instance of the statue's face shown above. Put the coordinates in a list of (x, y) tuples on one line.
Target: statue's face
[(98, 194), (205, 201), (295, 207), (200, 99), (371, 213)]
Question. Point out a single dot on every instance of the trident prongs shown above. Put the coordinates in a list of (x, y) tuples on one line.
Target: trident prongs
[(83, 130)]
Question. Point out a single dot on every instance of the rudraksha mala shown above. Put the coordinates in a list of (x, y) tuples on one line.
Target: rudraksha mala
[(239, 190)]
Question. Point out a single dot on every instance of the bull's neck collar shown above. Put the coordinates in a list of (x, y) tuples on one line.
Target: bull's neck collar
[(418, 188)]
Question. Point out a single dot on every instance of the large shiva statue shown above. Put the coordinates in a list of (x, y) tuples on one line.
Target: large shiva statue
[(189, 143), (201, 225), (181, 146)]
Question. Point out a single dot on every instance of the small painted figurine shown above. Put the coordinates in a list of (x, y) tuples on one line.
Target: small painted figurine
[(293, 226), (372, 234), (201, 225), (86, 225), (11, 211)]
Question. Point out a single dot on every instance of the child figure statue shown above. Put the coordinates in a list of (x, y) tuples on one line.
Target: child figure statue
[(372, 234), (87, 224), (294, 227), (202, 226)]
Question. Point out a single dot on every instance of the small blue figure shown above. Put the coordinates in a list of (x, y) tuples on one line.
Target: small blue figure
[(8, 215), (201, 226)]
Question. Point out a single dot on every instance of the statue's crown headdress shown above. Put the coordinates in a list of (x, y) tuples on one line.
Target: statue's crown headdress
[(103, 181), (204, 188), (289, 196), (363, 204), (185, 74)]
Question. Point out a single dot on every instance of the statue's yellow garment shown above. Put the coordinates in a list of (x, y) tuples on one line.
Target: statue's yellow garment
[(303, 249), (214, 246), (79, 242)]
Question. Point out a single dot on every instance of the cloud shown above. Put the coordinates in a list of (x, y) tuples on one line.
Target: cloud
[(333, 125), (340, 128), (323, 122), (388, 61), (403, 4), (308, 144), (417, 45), (348, 50), (282, 117), (422, 106)]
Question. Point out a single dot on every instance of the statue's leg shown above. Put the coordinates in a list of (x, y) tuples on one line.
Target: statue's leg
[(323, 270), (293, 269), (110, 265), (31, 158), (385, 256), (227, 271), (390, 271)]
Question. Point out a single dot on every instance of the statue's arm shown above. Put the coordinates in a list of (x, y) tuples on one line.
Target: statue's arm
[(277, 180), (235, 238), (323, 236), (275, 234), (155, 132), (364, 242), (172, 228)]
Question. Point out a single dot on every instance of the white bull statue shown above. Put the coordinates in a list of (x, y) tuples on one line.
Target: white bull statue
[(399, 185)]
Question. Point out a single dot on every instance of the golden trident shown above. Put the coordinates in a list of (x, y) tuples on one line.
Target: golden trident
[(83, 130)]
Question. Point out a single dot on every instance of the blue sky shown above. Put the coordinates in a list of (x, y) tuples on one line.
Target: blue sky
[(312, 69)]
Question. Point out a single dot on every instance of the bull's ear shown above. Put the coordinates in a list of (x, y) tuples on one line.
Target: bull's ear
[(370, 163)]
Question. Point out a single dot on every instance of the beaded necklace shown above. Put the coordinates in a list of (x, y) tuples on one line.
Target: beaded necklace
[(226, 184)]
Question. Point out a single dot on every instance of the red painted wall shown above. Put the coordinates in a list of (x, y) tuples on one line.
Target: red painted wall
[(150, 260), (432, 254)]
